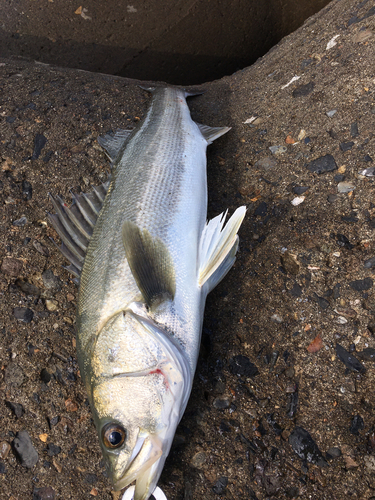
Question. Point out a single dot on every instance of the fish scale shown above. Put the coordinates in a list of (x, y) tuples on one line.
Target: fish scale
[(150, 262)]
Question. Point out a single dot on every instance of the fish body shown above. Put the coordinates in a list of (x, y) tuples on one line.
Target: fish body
[(148, 266)]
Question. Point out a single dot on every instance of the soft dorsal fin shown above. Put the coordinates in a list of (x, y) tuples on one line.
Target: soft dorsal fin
[(113, 143), (212, 133), (150, 263), (75, 224), (217, 248)]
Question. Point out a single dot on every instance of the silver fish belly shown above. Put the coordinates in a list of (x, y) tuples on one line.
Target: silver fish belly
[(146, 259)]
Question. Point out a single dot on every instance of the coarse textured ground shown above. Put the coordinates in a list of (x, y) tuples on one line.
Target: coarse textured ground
[(303, 272)]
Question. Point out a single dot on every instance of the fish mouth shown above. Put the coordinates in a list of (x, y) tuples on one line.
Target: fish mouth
[(146, 464)]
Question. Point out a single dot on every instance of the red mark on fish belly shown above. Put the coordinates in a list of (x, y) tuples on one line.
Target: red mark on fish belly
[(160, 372)]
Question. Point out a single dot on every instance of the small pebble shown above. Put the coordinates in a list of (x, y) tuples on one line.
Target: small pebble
[(339, 178), (350, 463), (91, 478), (45, 375), (368, 172), (305, 447), (221, 403), (220, 485), (20, 222), (296, 290), (13, 375), (11, 266), (292, 404), (360, 285), (300, 189), (23, 314), (369, 263), (27, 288), (242, 366), (298, 200), (46, 493), (322, 302), (349, 359), (39, 247), (16, 408), (356, 425), (323, 164), (266, 163), (345, 187), (302, 134), (276, 318), (27, 190), (346, 146), (290, 263), (50, 281), (277, 150), (198, 460), (331, 198), (4, 450), (52, 305), (346, 311), (292, 492), (343, 241), (261, 209), (303, 90), (354, 129), (25, 450), (333, 452), (341, 320), (39, 143)]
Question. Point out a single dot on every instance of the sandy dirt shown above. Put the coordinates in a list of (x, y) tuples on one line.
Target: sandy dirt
[(265, 408)]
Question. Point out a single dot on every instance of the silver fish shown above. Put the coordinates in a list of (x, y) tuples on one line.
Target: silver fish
[(146, 259)]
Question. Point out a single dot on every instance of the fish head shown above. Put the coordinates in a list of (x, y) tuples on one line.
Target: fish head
[(136, 414), (132, 432)]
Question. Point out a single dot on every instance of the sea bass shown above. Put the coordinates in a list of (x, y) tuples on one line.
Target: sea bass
[(146, 259)]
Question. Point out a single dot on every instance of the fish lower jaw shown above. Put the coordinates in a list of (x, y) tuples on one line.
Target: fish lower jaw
[(145, 468)]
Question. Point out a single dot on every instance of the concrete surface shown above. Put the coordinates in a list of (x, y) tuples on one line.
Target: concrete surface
[(303, 279), (177, 41)]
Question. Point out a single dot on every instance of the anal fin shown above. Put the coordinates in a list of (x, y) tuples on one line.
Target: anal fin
[(150, 263), (218, 247)]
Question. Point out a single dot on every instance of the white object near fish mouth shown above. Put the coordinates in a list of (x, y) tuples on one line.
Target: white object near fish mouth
[(157, 494)]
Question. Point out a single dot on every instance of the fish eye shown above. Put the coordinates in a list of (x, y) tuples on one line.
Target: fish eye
[(113, 435)]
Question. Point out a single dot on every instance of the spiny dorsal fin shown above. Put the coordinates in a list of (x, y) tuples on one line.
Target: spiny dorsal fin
[(150, 263), (212, 133), (113, 143), (75, 224), (218, 247)]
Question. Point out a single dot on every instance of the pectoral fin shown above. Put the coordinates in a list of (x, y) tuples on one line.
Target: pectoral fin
[(150, 263), (113, 144), (218, 248)]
